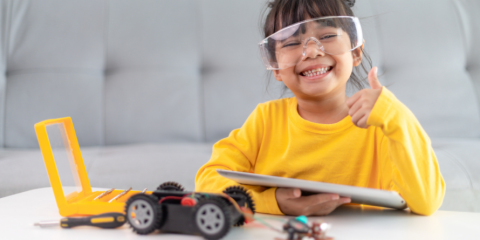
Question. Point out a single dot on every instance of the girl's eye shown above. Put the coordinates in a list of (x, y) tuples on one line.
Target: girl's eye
[(328, 37), (291, 44)]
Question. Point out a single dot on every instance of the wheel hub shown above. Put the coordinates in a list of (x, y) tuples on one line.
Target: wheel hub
[(210, 219), (140, 214)]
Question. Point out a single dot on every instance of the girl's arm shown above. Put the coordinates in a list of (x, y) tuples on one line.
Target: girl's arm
[(410, 166), (238, 152), (407, 148)]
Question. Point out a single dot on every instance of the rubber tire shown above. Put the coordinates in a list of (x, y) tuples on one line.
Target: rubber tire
[(152, 201), (226, 215), (171, 186), (239, 190)]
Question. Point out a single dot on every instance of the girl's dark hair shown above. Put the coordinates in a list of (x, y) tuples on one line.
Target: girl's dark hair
[(287, 12)]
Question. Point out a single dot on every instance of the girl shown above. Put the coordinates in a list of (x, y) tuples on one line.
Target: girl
[(367, 140)]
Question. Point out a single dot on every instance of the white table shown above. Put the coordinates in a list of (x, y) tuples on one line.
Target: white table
[(19, 212)]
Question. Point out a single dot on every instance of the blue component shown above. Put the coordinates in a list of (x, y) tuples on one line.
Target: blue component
[(302, 219)]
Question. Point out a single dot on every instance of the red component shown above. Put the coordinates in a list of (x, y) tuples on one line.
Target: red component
[(248, 214), (169, 197), (186, 201)]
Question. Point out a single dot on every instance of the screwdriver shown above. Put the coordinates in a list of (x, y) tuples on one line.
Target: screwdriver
[(105, 220)]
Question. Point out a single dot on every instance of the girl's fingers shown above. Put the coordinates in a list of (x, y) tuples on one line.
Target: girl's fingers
[(318, 204), (353, 99), (373, 79), (363, 121), (356, 106), (357, 116), (312, 200), (287, 193), (324, 208), (344, 200), (328, 207)]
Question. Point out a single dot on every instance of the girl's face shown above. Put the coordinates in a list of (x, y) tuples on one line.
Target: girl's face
[(319, 75)]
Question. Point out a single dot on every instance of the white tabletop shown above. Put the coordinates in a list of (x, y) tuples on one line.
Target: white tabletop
[(19, 212)]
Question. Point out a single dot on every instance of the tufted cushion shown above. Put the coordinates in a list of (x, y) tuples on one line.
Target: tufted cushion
[(152, 83), (234, 78), (157, 71), (125, 71), (54, 68)]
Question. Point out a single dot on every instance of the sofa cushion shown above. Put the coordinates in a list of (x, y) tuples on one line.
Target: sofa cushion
[(125, 71), (467, 12), (137, 166), (459, 165), (54, 67), (152, 78), (148, 165)]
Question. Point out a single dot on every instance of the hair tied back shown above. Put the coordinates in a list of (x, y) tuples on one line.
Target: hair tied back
[(350, 3)]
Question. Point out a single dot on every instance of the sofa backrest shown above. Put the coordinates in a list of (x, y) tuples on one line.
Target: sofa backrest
[(131, 71)]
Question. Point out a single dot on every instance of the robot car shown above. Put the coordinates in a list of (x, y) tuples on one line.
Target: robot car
[(171, 209)]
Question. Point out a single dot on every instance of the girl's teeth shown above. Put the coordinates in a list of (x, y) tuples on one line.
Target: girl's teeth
[(315, 72)]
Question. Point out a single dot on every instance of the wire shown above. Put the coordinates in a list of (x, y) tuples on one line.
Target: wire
[(261, 221), (248, 215), (169, 197)]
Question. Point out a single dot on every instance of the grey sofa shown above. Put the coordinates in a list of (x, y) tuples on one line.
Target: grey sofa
[(152, 84)]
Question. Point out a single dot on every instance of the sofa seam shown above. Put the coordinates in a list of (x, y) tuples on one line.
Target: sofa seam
[(459, 163), (203, 115), (6, 59), (467, 45), (55, 70), (105, 59), (462, 28)]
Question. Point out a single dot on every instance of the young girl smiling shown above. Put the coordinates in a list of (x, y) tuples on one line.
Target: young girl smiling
[(367, 140)]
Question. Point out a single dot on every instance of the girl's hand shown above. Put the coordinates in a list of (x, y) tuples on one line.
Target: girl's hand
[(291, 202), (362, 102)]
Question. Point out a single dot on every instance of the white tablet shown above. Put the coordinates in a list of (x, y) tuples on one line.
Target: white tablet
[(359, 195)]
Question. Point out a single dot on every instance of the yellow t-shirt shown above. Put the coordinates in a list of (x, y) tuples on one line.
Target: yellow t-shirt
[(394, 153)]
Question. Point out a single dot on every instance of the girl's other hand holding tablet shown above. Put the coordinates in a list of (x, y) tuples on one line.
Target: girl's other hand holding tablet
[(291, 202), (362, 102)]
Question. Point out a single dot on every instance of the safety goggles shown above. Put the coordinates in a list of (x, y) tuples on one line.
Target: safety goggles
[(290, 45)]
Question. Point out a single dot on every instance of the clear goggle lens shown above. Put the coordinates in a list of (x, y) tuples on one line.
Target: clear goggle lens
[(332, 35)]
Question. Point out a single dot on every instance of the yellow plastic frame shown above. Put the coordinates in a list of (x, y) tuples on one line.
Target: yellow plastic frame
[(82, 203)]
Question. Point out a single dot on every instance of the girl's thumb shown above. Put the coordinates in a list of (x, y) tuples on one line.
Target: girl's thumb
[(295, 193), (373, 79)]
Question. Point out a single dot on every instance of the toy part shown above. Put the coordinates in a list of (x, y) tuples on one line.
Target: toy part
[(212, 218), (298, 229), (143, 213), (104, 194), (119, 195), (170, 210)]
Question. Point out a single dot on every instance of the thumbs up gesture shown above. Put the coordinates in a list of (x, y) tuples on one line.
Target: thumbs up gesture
[(361, 103)]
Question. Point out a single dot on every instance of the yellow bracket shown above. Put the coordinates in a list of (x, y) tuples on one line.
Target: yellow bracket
[(76, 203)]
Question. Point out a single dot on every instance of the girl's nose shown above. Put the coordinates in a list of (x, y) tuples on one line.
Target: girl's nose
[(312, 48)]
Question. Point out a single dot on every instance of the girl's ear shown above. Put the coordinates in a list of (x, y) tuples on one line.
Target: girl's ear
[(276, 74), (357, 55)]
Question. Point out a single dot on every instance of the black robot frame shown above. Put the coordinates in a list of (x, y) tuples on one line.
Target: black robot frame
[(211, 215)]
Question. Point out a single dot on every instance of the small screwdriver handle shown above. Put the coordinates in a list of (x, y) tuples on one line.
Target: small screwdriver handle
[(105, 220)]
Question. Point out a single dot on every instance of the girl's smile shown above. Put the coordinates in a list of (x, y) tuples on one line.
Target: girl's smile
[(316, 72), (318, 75)]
